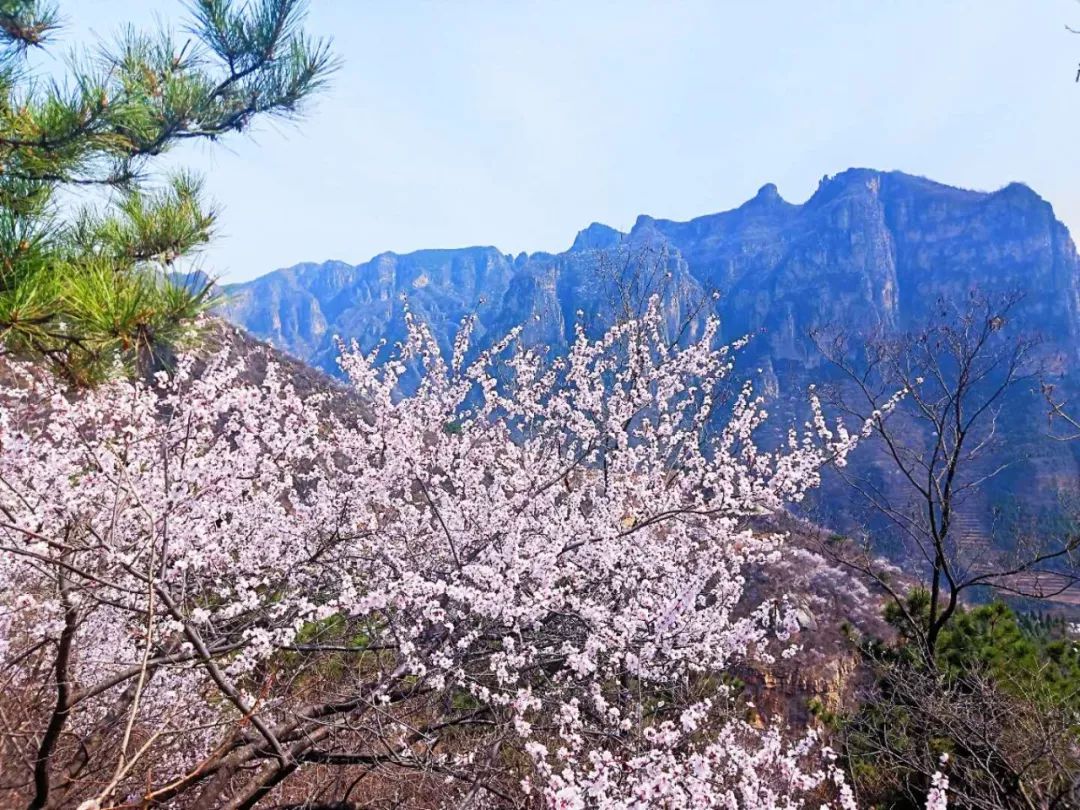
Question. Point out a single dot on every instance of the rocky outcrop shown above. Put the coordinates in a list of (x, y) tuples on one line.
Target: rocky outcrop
[(834, 609)]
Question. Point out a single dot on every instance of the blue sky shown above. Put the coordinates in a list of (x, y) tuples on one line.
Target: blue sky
[(518, 123)]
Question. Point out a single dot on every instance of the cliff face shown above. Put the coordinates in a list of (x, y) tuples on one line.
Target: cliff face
[(833, 608), (869, 251), (873, 249)]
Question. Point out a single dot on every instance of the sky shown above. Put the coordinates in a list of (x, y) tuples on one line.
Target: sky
[(516, 124)]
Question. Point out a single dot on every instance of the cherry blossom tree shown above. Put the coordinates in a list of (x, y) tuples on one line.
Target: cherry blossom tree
[(519, 585)]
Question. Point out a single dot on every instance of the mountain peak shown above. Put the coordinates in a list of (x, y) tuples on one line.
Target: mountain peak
[(849, 180), (768, 193), (597, 236), (1021, 192)]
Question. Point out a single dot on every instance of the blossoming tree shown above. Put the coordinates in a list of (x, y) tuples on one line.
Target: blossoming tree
[(517, 586)]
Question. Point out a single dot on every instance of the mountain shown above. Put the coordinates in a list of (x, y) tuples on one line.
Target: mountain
[(869, 250)]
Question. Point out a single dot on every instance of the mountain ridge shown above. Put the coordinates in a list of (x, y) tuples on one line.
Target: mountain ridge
[(861, 228), (767, 191), (868, 251)]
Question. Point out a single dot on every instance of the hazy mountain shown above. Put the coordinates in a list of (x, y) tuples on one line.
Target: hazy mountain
[(868, 250)]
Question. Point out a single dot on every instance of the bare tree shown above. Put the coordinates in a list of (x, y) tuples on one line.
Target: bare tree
[(942, 448)]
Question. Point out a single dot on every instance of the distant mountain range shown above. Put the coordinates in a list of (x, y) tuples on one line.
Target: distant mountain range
[(869, 250)]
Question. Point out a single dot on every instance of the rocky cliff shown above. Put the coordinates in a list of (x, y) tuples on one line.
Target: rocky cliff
[(869, 250)]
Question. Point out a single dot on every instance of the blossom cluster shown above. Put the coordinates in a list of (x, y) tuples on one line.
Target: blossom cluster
[(544, 556)]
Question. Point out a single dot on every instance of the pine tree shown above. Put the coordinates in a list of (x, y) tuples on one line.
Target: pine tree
[(89, 237)]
